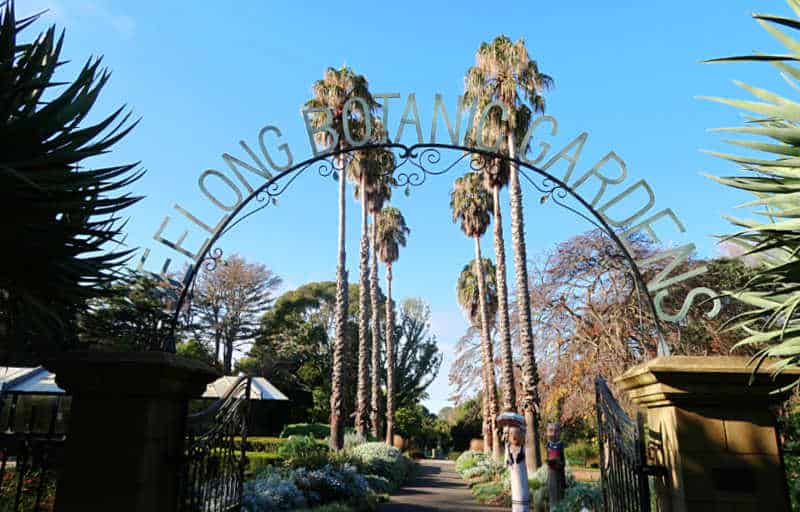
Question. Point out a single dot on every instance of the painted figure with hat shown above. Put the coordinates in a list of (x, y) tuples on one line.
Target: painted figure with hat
[(514, 426)]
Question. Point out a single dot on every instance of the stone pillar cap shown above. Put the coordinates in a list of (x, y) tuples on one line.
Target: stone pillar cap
[(700, 379), (130, 373)]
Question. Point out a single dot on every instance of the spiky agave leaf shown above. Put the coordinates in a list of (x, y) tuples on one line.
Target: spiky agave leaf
[(61, 221)]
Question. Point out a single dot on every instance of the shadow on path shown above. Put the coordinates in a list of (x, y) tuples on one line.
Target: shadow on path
[(436, 486)]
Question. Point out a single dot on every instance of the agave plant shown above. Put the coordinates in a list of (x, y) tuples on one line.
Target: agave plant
[(772, 323), (61, 224)]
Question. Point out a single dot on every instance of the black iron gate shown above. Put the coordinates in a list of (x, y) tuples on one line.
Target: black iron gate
[(215, 459), (623, 461), (31, 447)]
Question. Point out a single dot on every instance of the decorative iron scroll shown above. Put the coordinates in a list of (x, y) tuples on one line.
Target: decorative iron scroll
[(410, 167), (212, 475), (623, 463), (29, 459)]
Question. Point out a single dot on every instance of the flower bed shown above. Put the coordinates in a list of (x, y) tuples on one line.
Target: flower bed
[(305, 474)]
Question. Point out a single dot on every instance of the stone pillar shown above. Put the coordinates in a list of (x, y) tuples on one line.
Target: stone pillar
[(714, 433), (126, 431)]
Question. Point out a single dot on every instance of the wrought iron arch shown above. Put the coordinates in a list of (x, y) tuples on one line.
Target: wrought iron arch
[(419, 159)]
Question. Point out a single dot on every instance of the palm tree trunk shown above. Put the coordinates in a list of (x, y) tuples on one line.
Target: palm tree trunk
[(362, 406), (490, 388), (507, 375), (389, 358), (487, 435), (338, 376), (530, 371), (375, 328)]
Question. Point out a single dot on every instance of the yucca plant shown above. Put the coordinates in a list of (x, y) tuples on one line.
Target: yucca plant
[(772, 323), (60, 217)]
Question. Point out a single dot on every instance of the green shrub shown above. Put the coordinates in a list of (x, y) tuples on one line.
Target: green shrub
[(260, 460), (326, 488), (580, 496), (490, 493), (469, 459), (486, 470), (332, 507), (453, 456), (316, 430), (379, 484), (353, 439), (792, 463), (579, 454), (382, 460), (303, 451), (262, 444)]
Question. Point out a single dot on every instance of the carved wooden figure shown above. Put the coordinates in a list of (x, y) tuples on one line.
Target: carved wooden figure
[(514, 425), (556, 479)]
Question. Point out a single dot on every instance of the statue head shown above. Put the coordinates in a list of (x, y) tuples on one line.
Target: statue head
[(553, 431), (516, 437), (514, 427)]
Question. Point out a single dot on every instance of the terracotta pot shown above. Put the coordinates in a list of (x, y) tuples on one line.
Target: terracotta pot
[(476, 445)]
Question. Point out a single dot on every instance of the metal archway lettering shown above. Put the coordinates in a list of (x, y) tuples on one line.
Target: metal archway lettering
[(413, 164)]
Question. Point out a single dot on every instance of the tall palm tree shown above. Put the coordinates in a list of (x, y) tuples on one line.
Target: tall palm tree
[(366, 170), (377, 195), (331, 92), (472, 205), (505, 72), (496, 174), (392, 234), (468, 296)]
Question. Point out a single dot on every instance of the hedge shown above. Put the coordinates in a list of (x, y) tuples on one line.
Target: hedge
[(258, 460), (262, 444), (316, 430)]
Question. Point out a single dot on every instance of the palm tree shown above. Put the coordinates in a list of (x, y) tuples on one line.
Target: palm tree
[(392, 233), (505, 72), (468, 296), (496, 174), (366, 170), (471, 205), (335, 88), (377, 195)]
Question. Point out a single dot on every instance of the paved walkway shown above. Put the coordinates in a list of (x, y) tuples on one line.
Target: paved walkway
[(436, 486)]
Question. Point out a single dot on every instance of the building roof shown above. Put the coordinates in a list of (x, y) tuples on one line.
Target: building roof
[(38, 381), (31, 381), (260, 389)]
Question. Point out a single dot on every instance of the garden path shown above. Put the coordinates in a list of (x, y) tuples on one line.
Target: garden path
[(436, 486)]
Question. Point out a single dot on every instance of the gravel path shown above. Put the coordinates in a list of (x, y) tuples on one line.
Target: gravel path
[(436, 486)]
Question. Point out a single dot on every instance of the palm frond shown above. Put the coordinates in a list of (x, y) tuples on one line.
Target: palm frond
[(63, 247)]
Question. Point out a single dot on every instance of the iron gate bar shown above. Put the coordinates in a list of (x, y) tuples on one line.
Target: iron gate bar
[(36, 455), (623, 460), (418, 155), (212, 477)]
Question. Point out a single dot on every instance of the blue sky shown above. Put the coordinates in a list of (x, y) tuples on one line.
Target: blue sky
[(205, 75)]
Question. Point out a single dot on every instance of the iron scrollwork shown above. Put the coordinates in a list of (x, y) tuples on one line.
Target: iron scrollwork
[(213, 469), (410, 166)]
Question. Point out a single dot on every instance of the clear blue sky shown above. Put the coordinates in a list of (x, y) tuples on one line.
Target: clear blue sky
[(205, 75)]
